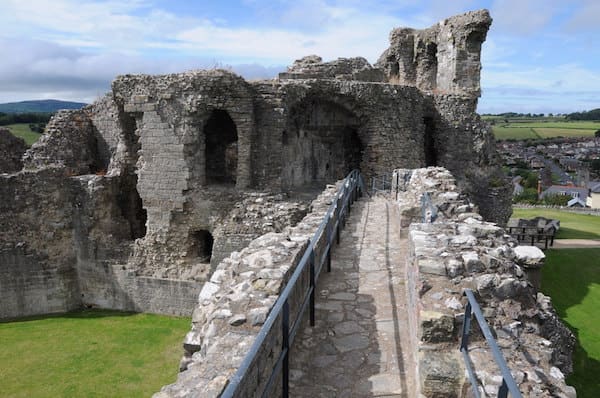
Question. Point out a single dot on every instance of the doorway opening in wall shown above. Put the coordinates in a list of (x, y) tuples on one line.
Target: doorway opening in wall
[(221, 153), (203, 242), (130, 203), (321, 144), (429, 142)]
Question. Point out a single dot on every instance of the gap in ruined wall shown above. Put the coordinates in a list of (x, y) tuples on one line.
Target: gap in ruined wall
[(221, 150), (429, 142), (202, 242), (100, 159), (130, 203), (321, 144), (129, 199)]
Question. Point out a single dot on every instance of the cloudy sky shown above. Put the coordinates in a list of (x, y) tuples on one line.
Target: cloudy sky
[(539, 56)]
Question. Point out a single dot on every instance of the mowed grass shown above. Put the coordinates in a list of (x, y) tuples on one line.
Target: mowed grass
[(533, 130), (572, 225), (22, 130), (572, 278), (90, 354), (516, 133)]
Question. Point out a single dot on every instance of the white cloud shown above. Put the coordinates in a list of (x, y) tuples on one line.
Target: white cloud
[(523, 17)]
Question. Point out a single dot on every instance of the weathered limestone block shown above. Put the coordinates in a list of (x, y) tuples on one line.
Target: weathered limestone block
[(436, 327), (441, 374)]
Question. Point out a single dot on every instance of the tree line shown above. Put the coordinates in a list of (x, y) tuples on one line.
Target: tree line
[(594, 114), (13, 118), (37, 121)]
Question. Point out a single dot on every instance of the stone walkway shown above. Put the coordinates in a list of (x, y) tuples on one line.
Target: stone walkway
[(355, 348), (576, 243)]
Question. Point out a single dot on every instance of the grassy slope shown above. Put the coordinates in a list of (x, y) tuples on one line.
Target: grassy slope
[(572, 225), (90, 354), (572, 278), (22, 130)]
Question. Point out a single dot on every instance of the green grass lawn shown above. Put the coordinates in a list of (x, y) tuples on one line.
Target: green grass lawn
[(90, 354), (572, 278), (536, 129), (572, 225), (517, 133), (22, 130)]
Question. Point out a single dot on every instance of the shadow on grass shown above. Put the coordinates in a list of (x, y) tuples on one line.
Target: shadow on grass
[(572, 233), (569, 277), (78, 314)]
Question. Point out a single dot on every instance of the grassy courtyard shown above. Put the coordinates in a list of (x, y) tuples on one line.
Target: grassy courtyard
[(572, 225), (90, 354), (572, 278)]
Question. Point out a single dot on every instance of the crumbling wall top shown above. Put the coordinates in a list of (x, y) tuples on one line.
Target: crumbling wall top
[(444, 58), (312, 67)]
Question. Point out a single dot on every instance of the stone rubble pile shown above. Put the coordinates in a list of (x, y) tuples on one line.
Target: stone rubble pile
[(459, 251)]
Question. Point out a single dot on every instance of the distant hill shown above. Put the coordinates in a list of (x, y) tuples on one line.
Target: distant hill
[(41, 106)]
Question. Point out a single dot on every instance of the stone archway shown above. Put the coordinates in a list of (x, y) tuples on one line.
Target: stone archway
[(221, 148), (321, 143)]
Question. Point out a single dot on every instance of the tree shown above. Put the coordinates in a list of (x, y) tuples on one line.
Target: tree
[(556, 200), (529, 195)]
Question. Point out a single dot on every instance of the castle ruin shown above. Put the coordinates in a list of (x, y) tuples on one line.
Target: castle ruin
[(132, 202)]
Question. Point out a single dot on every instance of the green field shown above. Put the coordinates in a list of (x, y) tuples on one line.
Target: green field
[(572, 225), (572, 278), (22, 130), (539, 129), (90, 354)]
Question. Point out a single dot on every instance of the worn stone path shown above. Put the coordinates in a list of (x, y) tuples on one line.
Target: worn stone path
[(355, 348), (576, 243)]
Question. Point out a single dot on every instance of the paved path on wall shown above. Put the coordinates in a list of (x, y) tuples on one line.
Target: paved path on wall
[(576, 244), (355, 348)]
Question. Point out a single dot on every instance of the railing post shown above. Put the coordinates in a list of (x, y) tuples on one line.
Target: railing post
[(464, 341), (503, 390), (285, 368), (312, 286)]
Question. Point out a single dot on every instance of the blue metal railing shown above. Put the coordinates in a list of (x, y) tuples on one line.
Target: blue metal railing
[(381, 182), (352, 187), (508, 382)]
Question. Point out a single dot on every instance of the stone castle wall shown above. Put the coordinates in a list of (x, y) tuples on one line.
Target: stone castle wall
[(457, 250)]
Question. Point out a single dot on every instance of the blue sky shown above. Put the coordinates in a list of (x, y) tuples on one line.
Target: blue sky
[(539, 57)]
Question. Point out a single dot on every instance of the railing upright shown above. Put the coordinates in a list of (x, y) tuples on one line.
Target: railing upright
[(508, 382)]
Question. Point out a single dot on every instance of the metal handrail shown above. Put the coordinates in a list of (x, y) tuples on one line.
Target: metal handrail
[(508, 382), (352, 187), (381, 182)]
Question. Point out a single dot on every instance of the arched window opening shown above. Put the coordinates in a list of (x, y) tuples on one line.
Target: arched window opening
[(221, 152)]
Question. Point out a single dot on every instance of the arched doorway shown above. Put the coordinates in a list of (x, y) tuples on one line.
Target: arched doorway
[(221, 153), (321, 143)]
